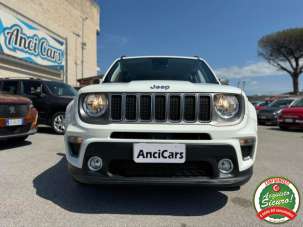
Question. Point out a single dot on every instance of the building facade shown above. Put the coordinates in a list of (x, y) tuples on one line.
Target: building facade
[(54, 39)]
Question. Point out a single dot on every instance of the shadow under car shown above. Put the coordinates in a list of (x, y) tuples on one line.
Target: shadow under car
[(56, 185)]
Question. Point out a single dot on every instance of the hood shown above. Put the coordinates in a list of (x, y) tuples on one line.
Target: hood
[(13, 99), (65, 99), (293, 111), (161, 86)]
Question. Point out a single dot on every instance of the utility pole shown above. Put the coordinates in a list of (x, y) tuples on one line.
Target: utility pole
[(83, 45), (77, 36), (243, 85)]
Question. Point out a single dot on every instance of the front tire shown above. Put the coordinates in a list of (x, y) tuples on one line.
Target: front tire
[(58, 123)]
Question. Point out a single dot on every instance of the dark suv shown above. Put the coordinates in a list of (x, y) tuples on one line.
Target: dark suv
[(49, 97)]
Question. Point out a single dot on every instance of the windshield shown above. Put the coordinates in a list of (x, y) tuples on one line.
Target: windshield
[(281, 103), (133, 69), (298, 103), (263, 103), (61, 89)]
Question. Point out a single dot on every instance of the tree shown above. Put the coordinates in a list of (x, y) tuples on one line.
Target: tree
[(284, 50)]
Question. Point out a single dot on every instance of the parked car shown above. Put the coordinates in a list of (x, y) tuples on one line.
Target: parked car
[(262, 105), (18, 118), (50, 98), (291, 117), (270, 114), (161, 120)]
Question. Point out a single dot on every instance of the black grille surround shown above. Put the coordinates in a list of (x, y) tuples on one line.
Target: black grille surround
[(14, 110), (159, 107), (128, 168)]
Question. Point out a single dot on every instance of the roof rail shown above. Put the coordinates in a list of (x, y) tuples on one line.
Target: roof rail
[(123, 56)]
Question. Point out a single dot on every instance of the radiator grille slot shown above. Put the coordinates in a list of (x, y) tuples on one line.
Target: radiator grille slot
[(190, 108), (131, 107), (116, 107), (160, 108), (145, 107), (204, 108), (175, 108)]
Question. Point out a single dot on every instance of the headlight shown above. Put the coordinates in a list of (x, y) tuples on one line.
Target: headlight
[(278, 112), (95, 105), (226, 106)]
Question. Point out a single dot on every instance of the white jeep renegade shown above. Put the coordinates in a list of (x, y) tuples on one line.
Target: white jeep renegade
[(161, 120)]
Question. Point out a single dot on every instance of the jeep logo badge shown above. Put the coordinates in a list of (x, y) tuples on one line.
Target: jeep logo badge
[(163, 87)]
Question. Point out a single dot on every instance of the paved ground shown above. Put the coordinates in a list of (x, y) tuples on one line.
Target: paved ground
[(35, 190)]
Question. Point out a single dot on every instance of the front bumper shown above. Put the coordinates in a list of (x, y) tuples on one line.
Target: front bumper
[(30, 132), (267, 119), (294, 124), (94, 178), (223, 143), (116, 155)]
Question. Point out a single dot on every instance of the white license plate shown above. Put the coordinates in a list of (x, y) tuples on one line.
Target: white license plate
[(159, 153), (288, 120), (262, 117), (14, 122)]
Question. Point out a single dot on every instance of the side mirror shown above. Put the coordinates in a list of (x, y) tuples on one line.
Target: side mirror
[(36, 93), (96, 81), (224, 81)]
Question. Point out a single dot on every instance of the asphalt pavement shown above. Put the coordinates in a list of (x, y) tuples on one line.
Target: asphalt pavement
[(36, 189)]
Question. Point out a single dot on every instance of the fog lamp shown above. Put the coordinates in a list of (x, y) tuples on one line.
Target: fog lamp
[(225, 166), (94, 163)]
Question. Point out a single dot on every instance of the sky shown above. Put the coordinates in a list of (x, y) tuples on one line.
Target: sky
[(224, 33)]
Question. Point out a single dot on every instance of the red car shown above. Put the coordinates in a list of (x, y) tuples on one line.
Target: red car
[(292, 117), (262, 105), (18, 118)]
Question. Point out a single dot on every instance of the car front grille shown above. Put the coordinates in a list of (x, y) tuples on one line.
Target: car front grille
[(127, 168), (160, 107), (13, 110)]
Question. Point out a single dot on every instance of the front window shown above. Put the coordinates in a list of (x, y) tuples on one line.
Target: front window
[(264, 103), (10, 87), (160, 68), (298, 103), (281, 103), (32, 87), (60, 89)]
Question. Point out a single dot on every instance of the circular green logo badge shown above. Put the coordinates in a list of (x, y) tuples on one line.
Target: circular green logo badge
[(277, 200)]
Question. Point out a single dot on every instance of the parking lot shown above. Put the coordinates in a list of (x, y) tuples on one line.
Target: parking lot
[(36, 190)]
